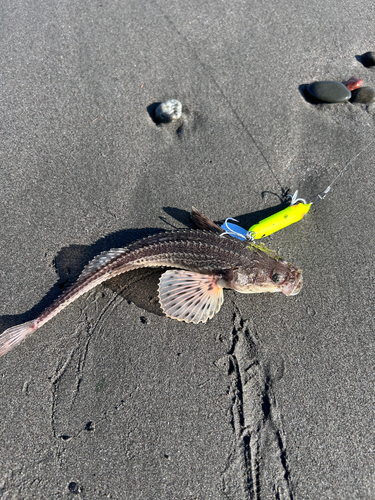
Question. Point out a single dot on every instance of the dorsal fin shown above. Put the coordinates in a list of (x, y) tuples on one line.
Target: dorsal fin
[(204, 222), (101, 260)]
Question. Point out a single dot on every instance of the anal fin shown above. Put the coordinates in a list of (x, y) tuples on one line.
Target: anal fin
[(190, 297)]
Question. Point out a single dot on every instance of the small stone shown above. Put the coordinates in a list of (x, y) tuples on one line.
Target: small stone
[(74, 488), (369, 59), (168, 111), (365, 95), (329, 92), (353, 83)]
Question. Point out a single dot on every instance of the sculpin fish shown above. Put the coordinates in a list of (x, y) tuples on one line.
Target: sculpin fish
[(203, 262)]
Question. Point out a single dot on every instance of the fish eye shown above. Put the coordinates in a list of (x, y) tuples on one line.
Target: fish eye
[(276, 278)]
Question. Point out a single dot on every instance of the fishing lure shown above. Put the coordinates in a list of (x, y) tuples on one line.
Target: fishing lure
[(297, 209), (271, 224)]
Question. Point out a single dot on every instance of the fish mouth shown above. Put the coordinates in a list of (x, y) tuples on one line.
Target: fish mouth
[(293, 285)]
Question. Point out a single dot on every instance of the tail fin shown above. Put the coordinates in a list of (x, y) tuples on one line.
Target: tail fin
[(14, 335)]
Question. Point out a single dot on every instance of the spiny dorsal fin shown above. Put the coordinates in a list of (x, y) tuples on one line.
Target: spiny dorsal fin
[(190, 297), (204, 222)]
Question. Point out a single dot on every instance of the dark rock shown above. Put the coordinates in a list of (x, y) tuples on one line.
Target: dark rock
[(329, 92), (364, 95), (369, 59)]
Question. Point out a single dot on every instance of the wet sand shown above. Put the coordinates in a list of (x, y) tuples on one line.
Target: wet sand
[(272, 398)]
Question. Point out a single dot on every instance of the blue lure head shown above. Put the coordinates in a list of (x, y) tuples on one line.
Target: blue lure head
[(234, 230)]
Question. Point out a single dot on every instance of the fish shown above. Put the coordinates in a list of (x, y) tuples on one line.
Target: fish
[(202, 263)]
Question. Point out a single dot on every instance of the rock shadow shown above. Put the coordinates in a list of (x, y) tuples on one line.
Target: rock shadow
[(151, 110), (306, 95)]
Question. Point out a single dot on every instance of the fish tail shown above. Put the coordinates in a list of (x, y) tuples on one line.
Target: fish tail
[(14, 335)]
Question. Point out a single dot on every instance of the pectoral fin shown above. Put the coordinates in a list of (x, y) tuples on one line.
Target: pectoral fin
[(190, 297)]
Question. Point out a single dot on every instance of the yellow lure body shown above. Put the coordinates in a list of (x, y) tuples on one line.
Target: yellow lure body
[(278, 221)]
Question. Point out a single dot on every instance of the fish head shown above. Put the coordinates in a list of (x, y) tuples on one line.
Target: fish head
[(291, 281), (277, 276)]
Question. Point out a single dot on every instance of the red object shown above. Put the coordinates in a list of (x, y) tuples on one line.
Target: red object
[(353, 83)]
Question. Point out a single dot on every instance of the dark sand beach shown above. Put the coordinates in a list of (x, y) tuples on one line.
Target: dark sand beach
[(274, 397)]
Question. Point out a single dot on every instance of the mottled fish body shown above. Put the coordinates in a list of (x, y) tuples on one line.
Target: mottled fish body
[(202, 262)]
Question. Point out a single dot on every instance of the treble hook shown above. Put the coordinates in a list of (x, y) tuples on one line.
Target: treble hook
[(238, 232), (295, 199)]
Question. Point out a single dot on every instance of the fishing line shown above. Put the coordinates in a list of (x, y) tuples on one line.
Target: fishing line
[(323, 194)]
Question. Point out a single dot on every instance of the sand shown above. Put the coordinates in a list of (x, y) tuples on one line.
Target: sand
[(274, 397)]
